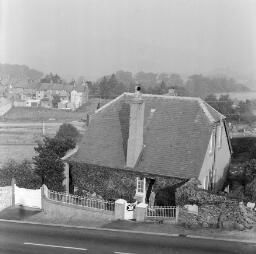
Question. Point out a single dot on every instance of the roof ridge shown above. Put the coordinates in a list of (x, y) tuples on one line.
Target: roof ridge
[(167, 96), (109, 103), (221, 115), (206, 111)]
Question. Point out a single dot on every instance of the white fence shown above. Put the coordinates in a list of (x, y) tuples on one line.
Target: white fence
[(166, 212), (81, 201), (27, 197)]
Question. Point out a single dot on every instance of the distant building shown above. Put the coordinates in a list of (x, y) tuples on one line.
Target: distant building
[(32, 103), (79, 95)]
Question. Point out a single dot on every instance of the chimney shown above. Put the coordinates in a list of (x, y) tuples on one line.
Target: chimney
[(136, 122)]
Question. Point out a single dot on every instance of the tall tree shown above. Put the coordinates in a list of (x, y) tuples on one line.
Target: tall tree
[(48, 164)]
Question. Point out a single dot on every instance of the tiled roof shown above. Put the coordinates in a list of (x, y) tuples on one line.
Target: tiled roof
[(176, 135)]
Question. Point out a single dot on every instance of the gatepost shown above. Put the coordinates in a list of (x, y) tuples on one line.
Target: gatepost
[(13, 191), (120, 206), (141, 211)]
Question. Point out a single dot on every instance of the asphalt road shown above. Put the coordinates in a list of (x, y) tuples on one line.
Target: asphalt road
[(27, 239)]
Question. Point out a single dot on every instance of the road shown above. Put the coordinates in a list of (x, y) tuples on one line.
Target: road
[(41, 239)]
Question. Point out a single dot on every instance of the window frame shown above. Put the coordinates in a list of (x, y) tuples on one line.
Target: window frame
[(220, 132)]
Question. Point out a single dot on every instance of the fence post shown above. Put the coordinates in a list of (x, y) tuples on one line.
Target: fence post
[(177, 214), (42, 197), (13, 191)]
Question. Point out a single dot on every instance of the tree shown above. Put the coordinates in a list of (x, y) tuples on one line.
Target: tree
[(250, 190), (48, 164), (57, 145), (50, 78), (50, 168), (55, 100), (22, 172), (68, 130), (175, 80)]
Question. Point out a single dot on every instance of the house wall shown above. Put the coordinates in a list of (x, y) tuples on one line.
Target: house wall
[(222, 158)]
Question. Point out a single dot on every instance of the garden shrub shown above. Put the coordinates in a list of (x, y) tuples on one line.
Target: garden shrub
[(22, 172)]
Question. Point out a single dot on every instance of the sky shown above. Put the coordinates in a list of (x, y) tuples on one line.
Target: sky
[(98, 37)]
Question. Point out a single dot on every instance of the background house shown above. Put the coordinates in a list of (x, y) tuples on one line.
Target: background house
[(79, 95)]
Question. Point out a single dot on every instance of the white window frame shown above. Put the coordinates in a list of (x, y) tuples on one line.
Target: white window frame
[(140, 185), (220, 131), (206, 182), (211, 144)]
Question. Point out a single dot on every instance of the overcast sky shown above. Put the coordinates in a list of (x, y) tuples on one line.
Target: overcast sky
[(97, 37)]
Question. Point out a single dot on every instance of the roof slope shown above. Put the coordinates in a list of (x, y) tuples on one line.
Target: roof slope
[(176, 135)]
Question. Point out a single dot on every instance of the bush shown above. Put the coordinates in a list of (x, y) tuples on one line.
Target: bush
[(67, 130), (190, 193), (22, 172)]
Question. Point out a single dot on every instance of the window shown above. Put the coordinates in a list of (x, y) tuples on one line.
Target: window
[(211, 144), (140, 185), (206, 182), (220, 130)]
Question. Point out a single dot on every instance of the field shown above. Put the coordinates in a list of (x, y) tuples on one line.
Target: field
[(17, 140), (22, 114), (16, 152)]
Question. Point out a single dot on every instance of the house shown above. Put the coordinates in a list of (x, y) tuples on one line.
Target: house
[(19, 103), (32, 103), (79, 95), (158, 136), (23, 90)]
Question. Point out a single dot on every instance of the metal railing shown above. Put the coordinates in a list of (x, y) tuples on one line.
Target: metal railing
[(81, 201), (168, 212)]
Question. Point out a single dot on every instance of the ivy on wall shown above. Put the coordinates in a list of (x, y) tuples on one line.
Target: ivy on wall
[(113, 183)]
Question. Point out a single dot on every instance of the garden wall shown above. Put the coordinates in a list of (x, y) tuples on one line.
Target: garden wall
[(61, 210)]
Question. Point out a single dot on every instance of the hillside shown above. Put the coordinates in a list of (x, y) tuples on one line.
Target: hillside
[(15, 71)]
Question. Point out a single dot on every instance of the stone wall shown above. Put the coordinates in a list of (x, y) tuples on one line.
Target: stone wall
[(214, 211)]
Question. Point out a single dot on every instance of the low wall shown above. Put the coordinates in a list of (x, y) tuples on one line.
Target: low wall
[(5, 197), (58, 209), (28, 197)]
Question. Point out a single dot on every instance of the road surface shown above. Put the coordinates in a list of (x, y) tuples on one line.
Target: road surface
[(41, 239)]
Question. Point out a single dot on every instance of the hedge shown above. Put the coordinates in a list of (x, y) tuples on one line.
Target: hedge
[(112, 183)]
